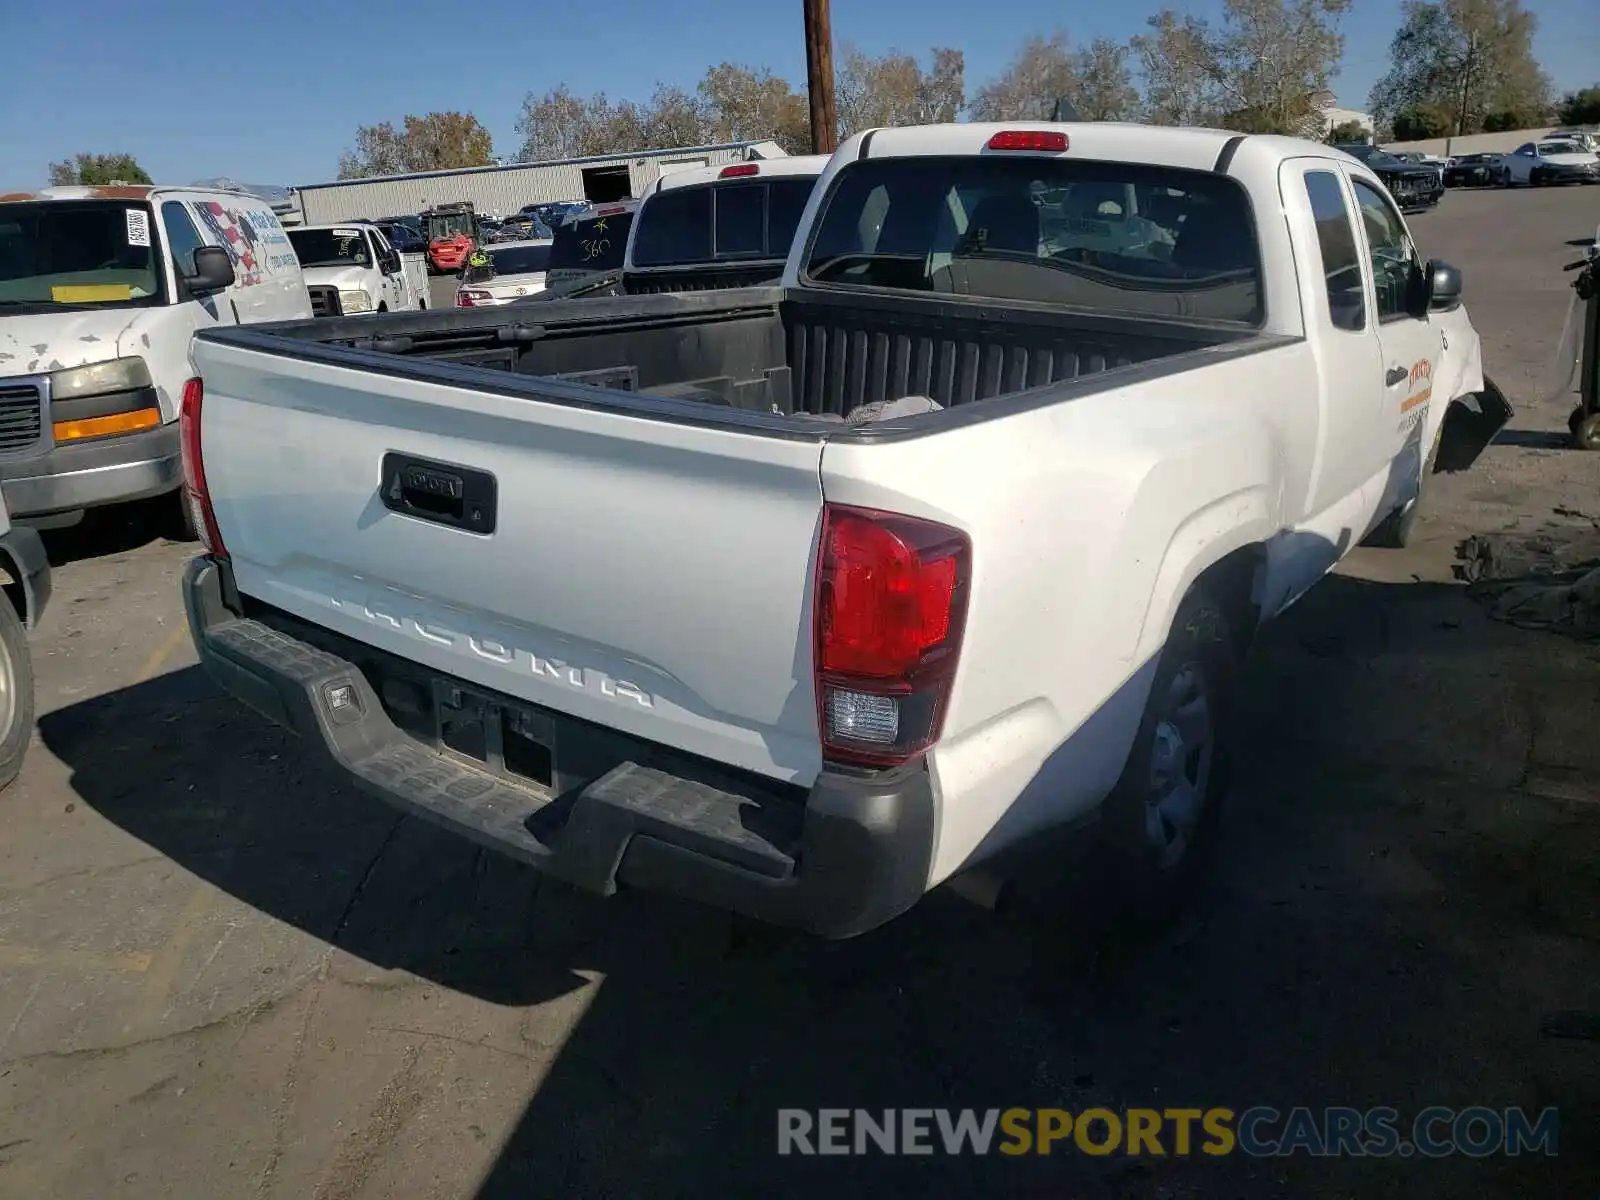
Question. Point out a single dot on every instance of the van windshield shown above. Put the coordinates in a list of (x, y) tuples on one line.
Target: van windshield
[(1107, 236), (329, 247), (591, 243), (78, 254)]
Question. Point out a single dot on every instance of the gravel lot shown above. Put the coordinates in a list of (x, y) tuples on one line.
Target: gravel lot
[(222, 973)]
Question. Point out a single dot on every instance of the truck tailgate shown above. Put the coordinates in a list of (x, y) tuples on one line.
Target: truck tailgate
[(649, 576)]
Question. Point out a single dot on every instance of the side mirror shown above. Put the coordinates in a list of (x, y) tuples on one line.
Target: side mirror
[(213, 272), (1444, 287)]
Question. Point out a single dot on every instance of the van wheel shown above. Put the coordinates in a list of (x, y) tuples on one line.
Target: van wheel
[(174, 518), (16, 694)]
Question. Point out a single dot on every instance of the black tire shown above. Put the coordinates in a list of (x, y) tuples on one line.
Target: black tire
[(16, 694), (174, 519), (1153, 888)]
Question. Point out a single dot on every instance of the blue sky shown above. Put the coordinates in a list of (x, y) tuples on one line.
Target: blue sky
[(273, 93)]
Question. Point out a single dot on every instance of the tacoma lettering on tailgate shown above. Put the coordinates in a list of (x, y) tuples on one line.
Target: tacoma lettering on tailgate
[(389, 612)]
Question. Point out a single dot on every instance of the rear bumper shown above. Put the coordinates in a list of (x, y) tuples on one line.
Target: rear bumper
[(133, 466), (843, 858)]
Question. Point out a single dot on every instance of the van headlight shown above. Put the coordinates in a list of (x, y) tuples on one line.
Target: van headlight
[(96, 379), (357, 300)]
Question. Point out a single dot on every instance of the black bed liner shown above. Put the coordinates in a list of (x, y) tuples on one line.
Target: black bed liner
[(757, 357)]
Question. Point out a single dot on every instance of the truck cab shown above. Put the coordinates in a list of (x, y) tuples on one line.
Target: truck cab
[(101, 289), (352, 269)]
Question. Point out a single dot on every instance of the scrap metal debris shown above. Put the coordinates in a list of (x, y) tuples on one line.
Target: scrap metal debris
[(1548, 581)]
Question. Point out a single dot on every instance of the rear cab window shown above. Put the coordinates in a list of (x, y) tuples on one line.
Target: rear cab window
[(721, 222), (1116, 237), (594, 243)]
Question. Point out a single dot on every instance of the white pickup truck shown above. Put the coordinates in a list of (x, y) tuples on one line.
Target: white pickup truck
[(352, 269), (802, 600)]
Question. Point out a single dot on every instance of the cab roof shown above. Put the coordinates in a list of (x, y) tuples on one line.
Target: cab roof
[(765, 168)]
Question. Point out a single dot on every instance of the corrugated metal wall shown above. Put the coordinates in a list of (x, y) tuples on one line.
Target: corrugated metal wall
[(501, 190)]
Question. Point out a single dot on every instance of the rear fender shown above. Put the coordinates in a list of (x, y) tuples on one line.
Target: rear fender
[(1224, 525)]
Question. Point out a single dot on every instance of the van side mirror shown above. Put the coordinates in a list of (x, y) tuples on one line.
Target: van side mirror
[(1444, 287), (213, 272)]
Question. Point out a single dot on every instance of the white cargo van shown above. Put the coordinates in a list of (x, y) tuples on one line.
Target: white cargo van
[(101, 289)]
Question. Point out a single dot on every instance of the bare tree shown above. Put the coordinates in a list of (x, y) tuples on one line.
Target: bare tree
[(440, 141), (1462, 65), (1274, 59), (1027, 90), (555, 125), (895, 90), (1266, 70), (744, 104), (1178, 63), (1103, 86)]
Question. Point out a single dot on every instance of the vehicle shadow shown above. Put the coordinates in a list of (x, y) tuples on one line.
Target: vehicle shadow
[(1389, 919), (116, 529), (1534, 439)]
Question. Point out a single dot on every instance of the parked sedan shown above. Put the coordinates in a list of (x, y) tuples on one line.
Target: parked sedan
[(1549, 161), (516, 270), (1472, 170)]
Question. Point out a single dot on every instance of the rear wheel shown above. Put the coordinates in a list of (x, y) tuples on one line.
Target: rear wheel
[(16, 694), (1160, 823)]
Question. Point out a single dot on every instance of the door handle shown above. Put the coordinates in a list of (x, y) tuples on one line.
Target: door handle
[(1396, 375)]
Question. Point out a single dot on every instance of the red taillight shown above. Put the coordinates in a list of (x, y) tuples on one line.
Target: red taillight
[(890, 606), (739, 169), (471, 299), (1028, 139), (195, 493)]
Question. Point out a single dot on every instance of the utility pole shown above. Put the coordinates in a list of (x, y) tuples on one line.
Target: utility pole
[(819, 77)]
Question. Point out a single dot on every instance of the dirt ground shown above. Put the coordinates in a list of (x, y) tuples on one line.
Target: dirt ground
[(223, 974)]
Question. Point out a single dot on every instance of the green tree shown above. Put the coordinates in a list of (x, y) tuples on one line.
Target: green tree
[(1348, 131), (1464, 59), (97, 170), (1421, 122), (1581, 107), (438, 141)]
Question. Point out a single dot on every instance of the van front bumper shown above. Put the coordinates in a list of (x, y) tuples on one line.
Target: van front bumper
[(842, 858), (66, 478)]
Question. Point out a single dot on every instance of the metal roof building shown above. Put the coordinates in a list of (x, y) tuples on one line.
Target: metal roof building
[(504, 190)]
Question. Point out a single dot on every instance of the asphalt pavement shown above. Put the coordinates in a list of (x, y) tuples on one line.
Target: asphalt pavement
[(225, 973)]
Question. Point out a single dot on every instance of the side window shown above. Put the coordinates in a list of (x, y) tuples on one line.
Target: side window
[(1336, 239), (1394, 259), (1526, 149), (183, 239)]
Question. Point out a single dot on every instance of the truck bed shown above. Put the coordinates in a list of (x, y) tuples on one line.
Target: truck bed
[(755, 350)]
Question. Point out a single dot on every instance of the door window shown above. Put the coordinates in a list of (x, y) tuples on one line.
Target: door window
[(1395, 268), (183, 239), (1336, 242)]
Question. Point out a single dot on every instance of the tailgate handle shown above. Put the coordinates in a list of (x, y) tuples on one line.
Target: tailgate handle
[(443, 493)]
